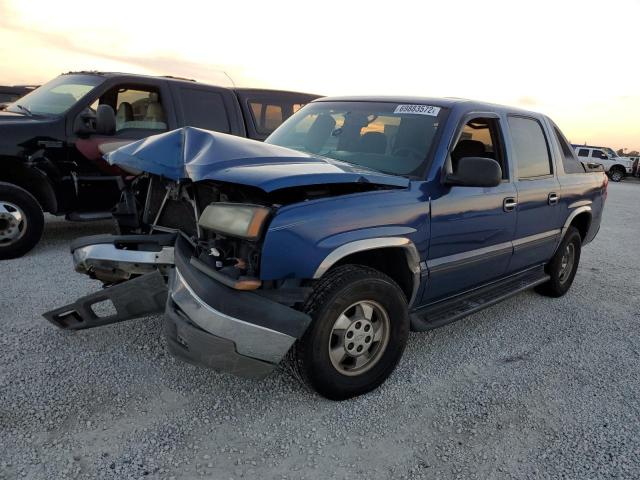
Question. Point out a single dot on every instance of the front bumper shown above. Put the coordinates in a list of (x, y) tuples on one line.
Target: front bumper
[(206, 322), (210, 324)]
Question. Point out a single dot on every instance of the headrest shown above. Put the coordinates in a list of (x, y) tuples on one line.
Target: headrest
[(373, 142), (468, 148), (105, 120), (125, 112), (154, 112)]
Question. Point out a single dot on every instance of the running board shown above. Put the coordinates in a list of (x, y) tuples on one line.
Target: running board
[(452, 309), (135, 298), (88, 216)]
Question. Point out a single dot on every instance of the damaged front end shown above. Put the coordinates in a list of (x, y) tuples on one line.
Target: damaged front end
[(191, 230), (218, 313)]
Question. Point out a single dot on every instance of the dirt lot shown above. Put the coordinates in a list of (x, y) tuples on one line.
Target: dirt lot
[(531, 388)]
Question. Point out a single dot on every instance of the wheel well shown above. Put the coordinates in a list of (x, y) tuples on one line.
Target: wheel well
[(618, 167), (391, 261), (582, 221), (34, 182)]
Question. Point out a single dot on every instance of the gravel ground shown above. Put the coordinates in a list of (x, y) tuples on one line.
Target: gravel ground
[(531, 388)]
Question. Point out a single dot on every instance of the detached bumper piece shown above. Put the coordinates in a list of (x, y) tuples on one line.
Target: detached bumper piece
[(210, 324), (114, 258), (139, 297)]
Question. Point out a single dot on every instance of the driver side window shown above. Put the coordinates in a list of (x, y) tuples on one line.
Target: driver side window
[(135, 107), (480, 137)]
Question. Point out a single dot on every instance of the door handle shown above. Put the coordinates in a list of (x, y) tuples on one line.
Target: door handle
[(553, 198), (509, 204)]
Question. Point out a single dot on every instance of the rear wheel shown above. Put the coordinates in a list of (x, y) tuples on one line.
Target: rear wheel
[(359, 330), (21, 221), (616, 174), (563, 266)]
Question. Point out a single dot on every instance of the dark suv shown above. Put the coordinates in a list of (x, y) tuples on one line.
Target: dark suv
[(53, 139)]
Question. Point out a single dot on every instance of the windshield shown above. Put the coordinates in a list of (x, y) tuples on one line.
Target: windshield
[(611, 153), (388, 137), (56, 96)]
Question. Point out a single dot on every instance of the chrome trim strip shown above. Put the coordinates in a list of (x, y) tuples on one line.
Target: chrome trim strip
[(580, 203), (537, 238), (250, 339), (457, 260), (413, 258), (441, 264)]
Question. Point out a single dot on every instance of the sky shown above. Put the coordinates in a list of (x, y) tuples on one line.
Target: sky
[(576, 61)]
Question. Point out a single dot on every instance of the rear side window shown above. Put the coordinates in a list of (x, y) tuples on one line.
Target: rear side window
[(269, 115), (569, 160), (598, 154), (583, 152), (204, 109), (530, 147)]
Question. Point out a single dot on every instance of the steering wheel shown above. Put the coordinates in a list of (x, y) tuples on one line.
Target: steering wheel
[(408, 152)]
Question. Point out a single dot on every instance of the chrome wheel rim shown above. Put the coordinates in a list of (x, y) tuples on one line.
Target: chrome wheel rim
[(566, 262), (13, 223), (359, 337), (616, 176)]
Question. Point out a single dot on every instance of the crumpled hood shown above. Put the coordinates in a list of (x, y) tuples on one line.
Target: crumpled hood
[(196, 154)]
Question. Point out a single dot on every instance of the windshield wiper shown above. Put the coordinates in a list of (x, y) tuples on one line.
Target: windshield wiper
[(24, 109)]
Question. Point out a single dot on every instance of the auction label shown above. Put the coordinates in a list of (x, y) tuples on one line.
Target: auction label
[(418, 110)]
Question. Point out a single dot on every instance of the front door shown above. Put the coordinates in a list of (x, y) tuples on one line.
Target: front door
[(472, 227), (538, 227), (140, 111)]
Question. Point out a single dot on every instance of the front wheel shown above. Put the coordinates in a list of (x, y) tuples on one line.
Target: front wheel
[(21, 221), (358, 332), (563, 266), (616, 174)]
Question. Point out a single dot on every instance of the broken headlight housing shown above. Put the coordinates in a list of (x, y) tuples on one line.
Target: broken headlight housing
[(235, 219)]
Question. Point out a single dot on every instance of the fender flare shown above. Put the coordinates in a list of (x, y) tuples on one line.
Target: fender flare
[(411, 252), (567, 223), (34, 180)]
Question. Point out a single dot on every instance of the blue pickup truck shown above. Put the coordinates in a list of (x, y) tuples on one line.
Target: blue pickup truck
[(357, 221)]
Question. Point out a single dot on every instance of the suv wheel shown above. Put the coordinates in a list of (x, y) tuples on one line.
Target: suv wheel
[(563, 266), (358, 332), (616, 174), (21, 221)]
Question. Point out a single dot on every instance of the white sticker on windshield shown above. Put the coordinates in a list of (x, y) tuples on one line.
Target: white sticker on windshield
[(418, 110)]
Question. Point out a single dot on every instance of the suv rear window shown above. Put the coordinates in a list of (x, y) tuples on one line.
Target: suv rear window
[(269, 114), (569, 160), (583, 152)]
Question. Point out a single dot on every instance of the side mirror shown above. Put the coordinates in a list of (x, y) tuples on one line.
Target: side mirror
[(105, 120), (476, 172)]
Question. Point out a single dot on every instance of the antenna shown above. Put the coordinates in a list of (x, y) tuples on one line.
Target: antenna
[(229, 77)]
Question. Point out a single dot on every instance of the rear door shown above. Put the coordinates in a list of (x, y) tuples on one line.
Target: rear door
[(538, 192), (207, 107)]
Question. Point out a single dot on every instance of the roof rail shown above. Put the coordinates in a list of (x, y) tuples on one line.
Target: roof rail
[(179, 78)]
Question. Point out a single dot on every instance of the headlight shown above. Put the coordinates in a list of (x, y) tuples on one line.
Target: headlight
[(235, 219)]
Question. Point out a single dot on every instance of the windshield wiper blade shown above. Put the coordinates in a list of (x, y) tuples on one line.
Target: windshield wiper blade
[(24, 109)]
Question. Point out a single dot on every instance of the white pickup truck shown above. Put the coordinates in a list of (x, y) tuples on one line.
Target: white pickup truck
[(616, 167)]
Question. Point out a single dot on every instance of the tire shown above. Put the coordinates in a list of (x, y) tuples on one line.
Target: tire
[(21, 221), (616, 174), (561, 278), (348, 303)]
